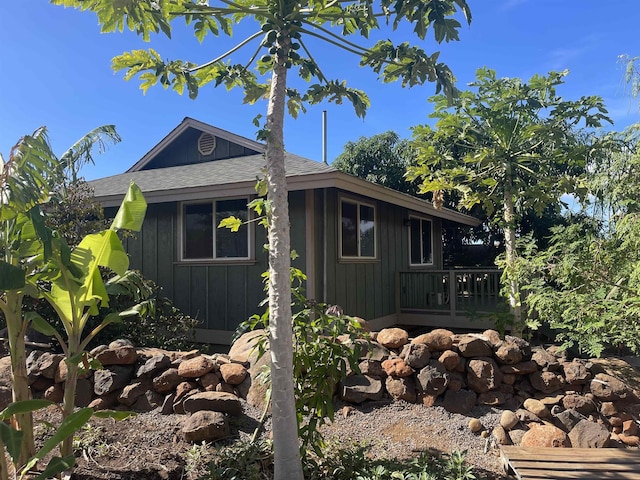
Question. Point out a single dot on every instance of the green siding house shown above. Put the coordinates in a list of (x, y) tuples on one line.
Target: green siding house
[(356, 241)]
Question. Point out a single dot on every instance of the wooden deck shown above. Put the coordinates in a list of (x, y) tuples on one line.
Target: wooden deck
[(575, 463)]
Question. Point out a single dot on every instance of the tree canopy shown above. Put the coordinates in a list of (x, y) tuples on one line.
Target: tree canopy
[(510, 146), (381, 159)]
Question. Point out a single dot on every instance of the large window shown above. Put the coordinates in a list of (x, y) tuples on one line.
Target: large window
[(202, 240), (357, 230), (420, 241)]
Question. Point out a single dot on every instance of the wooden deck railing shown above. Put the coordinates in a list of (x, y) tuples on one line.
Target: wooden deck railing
[(454, 292)]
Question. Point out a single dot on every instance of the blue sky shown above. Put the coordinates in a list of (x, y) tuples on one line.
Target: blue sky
[(56, 71)]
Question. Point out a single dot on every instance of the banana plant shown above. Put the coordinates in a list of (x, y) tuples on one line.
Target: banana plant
[(78, 290), (27, 178)]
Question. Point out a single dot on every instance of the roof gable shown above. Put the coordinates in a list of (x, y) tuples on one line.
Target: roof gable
[(180, 147)]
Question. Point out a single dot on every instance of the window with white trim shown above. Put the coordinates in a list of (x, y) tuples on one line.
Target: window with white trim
[(202, 240), (357, 230), (420, 241)]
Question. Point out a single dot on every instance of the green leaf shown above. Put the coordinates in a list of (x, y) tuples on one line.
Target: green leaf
[(11, 277), (12, 440), (68, 427), (132, 211), (39, 324), (232, 223), (24, 406), (55, 466)]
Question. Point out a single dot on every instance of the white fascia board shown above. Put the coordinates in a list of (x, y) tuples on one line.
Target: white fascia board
[(204, 127)]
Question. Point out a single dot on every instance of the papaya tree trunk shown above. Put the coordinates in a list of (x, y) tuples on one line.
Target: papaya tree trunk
[(287, 462), (510, 253), (16, 329)]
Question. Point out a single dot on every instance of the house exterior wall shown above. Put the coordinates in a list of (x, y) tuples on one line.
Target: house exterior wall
[(365, 288), (219, 294)]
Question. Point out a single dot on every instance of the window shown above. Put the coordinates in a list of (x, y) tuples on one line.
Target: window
[(420, 241), (202, 240), (357, 230)]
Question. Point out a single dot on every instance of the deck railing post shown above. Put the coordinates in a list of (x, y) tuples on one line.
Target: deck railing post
[(453, 289)]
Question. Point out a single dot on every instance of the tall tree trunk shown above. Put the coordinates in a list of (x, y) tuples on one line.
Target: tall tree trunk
[(285, 428), (16, 329), (510, 252)]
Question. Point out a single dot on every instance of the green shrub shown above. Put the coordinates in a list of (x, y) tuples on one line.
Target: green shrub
[(254, 461)]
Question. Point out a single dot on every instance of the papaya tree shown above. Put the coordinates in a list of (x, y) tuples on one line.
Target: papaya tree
[(283, 37), (27, 178), (511, 147)]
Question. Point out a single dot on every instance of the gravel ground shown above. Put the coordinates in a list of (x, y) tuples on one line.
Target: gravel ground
[(401, 430), (149, 446)]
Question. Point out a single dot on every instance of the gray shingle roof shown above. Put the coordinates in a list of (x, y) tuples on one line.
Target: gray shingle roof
[(219, 172)]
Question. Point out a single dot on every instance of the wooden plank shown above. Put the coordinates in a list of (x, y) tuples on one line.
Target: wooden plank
[(576, 463)]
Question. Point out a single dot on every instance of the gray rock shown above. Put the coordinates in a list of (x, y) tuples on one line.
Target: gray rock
[(153, 365), (416, 355), (131, 392), (167, 380), (214, 401), (111, 379), (432, 379), (546, 381), (483, 375), (402, 388), (460, 401), (608, 388), (358, 388), (473, 346), (43, 364), (205, 426), (575, 373), (149, 401), (568, 419), (372, 368), (587, 434)]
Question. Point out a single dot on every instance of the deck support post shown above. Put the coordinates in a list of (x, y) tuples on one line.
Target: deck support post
[(453, 288)]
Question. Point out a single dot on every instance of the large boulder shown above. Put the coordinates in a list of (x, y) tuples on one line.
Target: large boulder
[(608, 388), (397, 367), (205, 426), (473, 346), (417, 355), (196, 367), (214, 401), (358, 388), (432, 379), (401, 388), (118, 355), (544, 435), (587, 434), (483, 374), (392, 337), (111, 379), (437, 340)]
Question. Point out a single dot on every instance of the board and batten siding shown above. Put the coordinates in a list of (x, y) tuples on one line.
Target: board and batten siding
[(365, 288), (220, 295)]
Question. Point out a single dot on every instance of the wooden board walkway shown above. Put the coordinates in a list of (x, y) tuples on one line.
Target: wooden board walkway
[(527, 463)]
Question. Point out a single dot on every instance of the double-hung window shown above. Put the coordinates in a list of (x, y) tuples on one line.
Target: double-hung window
[(420, 241), (202, 240), (357, 230)]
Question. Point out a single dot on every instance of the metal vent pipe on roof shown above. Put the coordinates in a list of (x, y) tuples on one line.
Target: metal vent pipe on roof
[(324, 137)]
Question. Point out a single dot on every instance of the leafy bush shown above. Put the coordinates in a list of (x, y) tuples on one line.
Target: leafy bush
[(254, 461), (586, 285)]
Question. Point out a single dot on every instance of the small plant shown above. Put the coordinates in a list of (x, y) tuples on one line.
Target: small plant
[(243, 461), (90, 441), (194, 458)]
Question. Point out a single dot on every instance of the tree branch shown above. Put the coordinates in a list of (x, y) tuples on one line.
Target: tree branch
[(226, 54)]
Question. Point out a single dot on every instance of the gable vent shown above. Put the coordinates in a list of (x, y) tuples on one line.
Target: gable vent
[(206, 143)]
